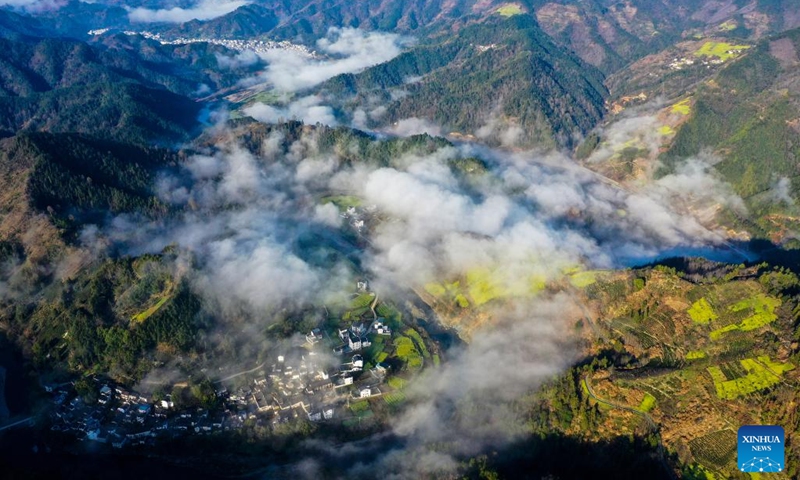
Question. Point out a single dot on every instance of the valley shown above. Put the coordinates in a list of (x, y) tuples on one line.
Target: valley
[(426, 239)]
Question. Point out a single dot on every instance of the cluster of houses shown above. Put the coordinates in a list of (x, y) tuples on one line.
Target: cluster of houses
[(355, 337), (121, 418), (358, 217), (250, 44), (681, 63), (299, 384), (305, 382)]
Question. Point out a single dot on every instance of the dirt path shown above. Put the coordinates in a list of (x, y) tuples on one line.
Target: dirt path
[(650, 422)]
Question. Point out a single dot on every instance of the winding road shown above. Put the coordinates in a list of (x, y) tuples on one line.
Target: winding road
[(650, 422)]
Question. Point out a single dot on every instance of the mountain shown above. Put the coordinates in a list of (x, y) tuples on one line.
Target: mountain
[(499, 74), (611, 34), (748, 114), (457, 268), (137, 88), (248, 21), (74, 178), (313, 18)]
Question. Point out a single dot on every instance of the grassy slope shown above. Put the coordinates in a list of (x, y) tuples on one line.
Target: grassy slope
[(747, 115)]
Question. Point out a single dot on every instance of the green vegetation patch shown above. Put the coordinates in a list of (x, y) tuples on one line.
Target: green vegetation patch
[(361, 406), (462, 301), (763, 313), (343, 201), (435, 289), (142, 316), (419, 343), (394, 398), (763, 307), (715, 450), (584, 279), (362, 301), (696, 355), (683, 107), (761, 374), (397, 383), (510, 9), (721, 50), (406, 351), (482, 288), (702, 312), (648, 403)]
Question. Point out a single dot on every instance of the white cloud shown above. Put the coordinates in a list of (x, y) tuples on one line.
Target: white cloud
[(246, 58), (203, 10), (33, 6), (415, 126), (308, 109), (350, 50)]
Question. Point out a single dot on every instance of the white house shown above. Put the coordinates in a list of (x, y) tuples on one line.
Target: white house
[(358, 361)]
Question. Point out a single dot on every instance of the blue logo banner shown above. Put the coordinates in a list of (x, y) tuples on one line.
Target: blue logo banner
[(761, 449)]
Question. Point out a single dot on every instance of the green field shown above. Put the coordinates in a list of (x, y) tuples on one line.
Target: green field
[(342, 201), (435, 289), (584, 279), (761, 374), (361, 406), (389, 313), (648, 403), (162, 299), (482, 287), (683, 107), (763, 313), (696, 355), (419, 343), (268, 97), (406, 351), (397, 383), (720, 50), (702, 312), (394, 398), (362, 301), (462, 301), (715, 450), (510, 9)]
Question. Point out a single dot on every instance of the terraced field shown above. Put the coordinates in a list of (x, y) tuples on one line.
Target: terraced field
[(761, 373), (761, 309), (715, 450), (702, 312), (720, 50)]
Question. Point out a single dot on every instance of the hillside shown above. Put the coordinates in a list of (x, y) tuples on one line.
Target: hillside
[(748, 114), (421, 239), (701, 350), (611, 34), (72, 179), (249, 21), (498, 75)]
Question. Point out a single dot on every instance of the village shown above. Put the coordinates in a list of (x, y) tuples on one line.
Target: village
[(326, 375), (241, 45)]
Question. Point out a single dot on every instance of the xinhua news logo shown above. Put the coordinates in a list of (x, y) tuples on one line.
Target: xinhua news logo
[(761, 449)]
